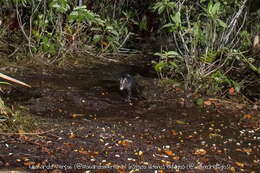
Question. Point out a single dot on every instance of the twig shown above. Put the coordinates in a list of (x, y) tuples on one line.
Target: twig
[(13, 52), (233, 23)]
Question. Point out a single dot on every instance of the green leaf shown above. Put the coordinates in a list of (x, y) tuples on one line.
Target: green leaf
[(159, 54), (215, 9), (97, 38), (236, 86), (159, 66), (222, 23), (5, 83), (143, 24), (254, 68), (176, 18), (199, 101), (173, 64), (172, 54), (168, 25), (59, 5)]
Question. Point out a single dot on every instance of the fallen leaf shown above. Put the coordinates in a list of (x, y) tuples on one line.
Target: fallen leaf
[(200, 151), (176, 158), (140, 153), (247, 150), (169, 152), (231, 91), (166, 162), (125, 143), (219, 151), (232, 169), (121, 170), (190, 136), (77, 115), (207, 103), (83, 152), (204, 159), (240, 164), (72, 135), (21, 131), (178, 89), (28, 163), (247, 116), (18, 160), (180, 122), (174, 133)]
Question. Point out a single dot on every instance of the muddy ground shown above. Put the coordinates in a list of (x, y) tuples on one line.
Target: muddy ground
[(84, 124)]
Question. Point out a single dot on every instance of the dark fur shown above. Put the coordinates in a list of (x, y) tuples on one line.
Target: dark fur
[(127, 83)]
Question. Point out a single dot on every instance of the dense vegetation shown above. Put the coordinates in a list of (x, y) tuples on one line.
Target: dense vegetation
[(205, 44)]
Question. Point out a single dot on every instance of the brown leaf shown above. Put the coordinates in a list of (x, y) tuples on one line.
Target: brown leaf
[(247, 150), (247, 116), (176, 158), (28, 163), (72, 135), (207, 103), (231, 91), (121, 170), (83, 152), (190, 136), (169, 152), (174, 133), (204, 159), (161, 171), (125, 143)]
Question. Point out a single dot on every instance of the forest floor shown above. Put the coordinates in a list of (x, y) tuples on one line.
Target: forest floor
[(82, 123)]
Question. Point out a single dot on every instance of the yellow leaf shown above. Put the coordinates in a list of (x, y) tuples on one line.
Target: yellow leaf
[(21, 131), (166, 162), (200, 152), (240, 164), (77, 115), (125, 143), (176, 158), (180, 122), (232, 169)]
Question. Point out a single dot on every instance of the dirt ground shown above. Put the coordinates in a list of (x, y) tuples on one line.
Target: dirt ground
[(84, 124)]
